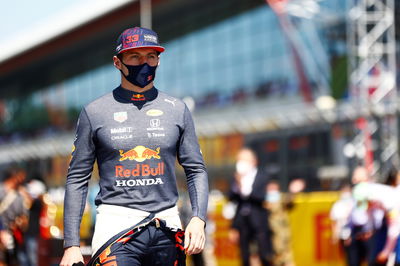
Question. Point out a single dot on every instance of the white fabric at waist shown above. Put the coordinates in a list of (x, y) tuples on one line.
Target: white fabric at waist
[(112, 219)]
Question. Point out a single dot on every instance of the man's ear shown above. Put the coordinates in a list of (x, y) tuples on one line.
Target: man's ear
[(117, 62)]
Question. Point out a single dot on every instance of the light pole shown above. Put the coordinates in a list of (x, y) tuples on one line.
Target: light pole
[(145, 14)]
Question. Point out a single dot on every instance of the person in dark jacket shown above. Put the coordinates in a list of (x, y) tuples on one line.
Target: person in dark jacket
[(251, 219)]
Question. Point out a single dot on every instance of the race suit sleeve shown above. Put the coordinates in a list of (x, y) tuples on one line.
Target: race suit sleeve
[(79, 173), (191, 159)]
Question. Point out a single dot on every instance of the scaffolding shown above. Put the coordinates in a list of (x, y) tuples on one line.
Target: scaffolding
[(372, 77)]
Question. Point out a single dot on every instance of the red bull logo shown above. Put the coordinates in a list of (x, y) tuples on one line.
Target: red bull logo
[(138, 97), (139, 154), (139, 170)]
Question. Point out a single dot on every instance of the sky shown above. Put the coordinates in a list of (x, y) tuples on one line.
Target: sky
[(18, 16), (27, 23)]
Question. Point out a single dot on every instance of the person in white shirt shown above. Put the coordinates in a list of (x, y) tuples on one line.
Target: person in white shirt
[(382, 198)]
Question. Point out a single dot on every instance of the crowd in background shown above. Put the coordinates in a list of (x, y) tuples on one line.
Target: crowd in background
[(21, 203), (366, 220), (22, 206)]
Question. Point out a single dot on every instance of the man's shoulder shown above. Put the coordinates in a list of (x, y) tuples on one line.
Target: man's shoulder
[(170, 100), (262, 173), (100, 102)]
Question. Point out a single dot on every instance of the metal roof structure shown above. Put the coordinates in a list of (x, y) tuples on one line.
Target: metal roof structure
[(252, 117), (83, 38), (66, 49)]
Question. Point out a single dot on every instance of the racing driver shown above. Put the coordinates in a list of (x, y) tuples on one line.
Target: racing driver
[(136, 133)]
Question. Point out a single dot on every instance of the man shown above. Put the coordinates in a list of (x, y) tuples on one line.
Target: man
[(278, 204), (136, 133), (36, 188), (251, 218), (341, 223), (380, 197), (360, 243), (13, 214)]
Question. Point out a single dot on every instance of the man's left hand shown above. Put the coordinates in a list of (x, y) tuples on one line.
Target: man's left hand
[(195, 236)]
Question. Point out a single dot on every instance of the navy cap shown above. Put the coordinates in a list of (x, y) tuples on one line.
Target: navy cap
[(138, 37)]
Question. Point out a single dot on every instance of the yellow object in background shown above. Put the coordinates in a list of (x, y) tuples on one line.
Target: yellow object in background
[(311, 232)]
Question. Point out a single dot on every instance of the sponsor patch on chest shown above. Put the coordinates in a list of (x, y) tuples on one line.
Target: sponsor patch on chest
[(120, 116)]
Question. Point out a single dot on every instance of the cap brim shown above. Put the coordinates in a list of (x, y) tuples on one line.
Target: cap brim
[(155, 47)]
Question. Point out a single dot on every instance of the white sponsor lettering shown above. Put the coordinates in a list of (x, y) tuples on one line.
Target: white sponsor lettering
[(121, 137), (118, 130), (138, 182), (150, 38), (155, 135), (120, 183)]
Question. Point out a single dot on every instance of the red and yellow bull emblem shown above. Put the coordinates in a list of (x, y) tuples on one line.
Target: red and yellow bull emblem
[(139, 154), (138, 97)]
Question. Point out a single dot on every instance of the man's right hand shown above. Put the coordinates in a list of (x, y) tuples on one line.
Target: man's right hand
[(71, 255)]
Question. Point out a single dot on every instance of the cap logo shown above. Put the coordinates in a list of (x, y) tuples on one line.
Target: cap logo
[(132, 38), (150, 38)]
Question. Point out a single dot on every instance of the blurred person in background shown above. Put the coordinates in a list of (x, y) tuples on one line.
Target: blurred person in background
[(14, 215), (363, 224), (381, 197), (278, 204), (393, 180), (250, 222), (36, 189), (136, 133), (360, 175), (340, 217)]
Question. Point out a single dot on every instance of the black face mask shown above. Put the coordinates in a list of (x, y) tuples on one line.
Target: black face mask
[(140, 75)]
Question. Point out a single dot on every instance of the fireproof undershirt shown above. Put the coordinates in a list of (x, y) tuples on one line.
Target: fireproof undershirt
[(136, 139)]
